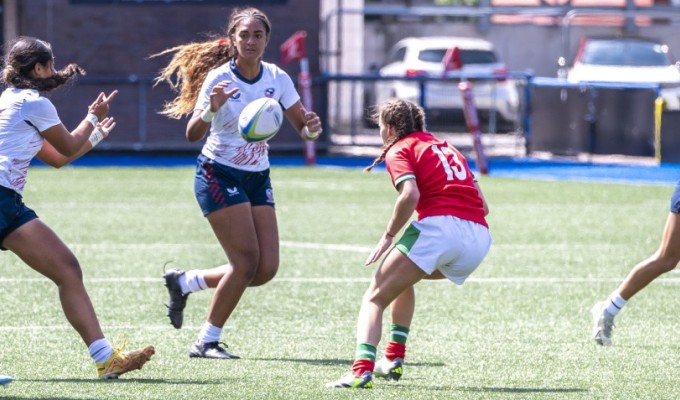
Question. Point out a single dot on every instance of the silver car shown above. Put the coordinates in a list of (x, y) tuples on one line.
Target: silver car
[(475, 59)]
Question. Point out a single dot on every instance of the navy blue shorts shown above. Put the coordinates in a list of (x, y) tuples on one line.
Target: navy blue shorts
[(675, 200), (13, 212), (217, 186)]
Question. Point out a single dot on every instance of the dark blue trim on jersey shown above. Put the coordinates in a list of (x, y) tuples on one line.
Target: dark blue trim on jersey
[(234, 69), (32, 126)]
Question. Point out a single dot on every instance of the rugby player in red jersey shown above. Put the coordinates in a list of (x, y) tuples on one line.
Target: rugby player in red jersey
[(448, 239)]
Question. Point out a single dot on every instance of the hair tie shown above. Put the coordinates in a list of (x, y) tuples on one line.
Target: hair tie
[(223, 42)]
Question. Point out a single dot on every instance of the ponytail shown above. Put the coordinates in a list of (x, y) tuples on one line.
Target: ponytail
[(187, 70)]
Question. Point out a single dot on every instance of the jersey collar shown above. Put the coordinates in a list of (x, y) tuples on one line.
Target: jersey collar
[(234, 69)]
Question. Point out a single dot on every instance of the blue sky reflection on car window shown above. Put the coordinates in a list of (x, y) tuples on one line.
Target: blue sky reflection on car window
[(630, 53)]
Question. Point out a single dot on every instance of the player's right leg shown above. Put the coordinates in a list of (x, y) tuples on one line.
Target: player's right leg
[(39, 247), (391, 365), (235, 229), (665, 259), (394, 276), (180, 284)]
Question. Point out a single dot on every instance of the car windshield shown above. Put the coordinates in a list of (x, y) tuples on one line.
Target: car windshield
[(625, 52), (466, 56)]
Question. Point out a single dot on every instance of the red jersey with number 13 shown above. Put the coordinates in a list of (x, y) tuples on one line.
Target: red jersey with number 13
[(444, 179)]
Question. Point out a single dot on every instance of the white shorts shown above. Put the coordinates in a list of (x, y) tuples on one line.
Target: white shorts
[(451, 245)]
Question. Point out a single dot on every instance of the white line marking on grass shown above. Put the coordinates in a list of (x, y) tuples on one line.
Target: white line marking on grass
[(352, 248), (105, 327), (298, 245), (323, 246), (528, 280)]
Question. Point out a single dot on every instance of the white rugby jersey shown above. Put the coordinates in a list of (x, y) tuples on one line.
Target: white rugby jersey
[(225, 144), (23, 115)]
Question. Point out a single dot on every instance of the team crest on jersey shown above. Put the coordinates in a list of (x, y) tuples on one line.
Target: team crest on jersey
[(269, 92)]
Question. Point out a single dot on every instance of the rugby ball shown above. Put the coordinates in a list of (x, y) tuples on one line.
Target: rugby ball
[(260, 120)]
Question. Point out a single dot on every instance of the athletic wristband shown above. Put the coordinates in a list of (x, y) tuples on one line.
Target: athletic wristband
[(207, 115), (96, 137), (309, 134), (92, 119)]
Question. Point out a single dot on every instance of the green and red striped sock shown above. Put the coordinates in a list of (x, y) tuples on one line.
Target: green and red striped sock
[(396, 347), (364, 359)]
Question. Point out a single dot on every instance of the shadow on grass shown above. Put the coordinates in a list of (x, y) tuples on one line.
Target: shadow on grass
[(47, 398), (483, 389), (337, 361), (494, 389), (128, 380)]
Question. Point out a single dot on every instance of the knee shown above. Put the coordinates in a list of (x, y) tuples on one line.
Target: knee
[(377, 298), (663, 263), (264, 274), (245, 272), (69, 272), (666, 263)]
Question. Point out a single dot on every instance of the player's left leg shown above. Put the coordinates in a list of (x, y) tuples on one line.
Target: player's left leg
[(39, 247), (391, 365), (266, 227), (395, 275), (665, 259)]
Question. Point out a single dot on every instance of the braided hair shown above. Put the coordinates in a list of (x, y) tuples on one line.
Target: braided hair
[(191, 63), (21, 58), (404, 116)]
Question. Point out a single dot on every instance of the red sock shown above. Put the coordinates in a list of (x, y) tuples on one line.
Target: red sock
[(394, 350), (362, 365)]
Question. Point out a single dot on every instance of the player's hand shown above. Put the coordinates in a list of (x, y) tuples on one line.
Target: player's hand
[(219, 95), (312, 123), (106, 125), (384, 244), (100, 107)]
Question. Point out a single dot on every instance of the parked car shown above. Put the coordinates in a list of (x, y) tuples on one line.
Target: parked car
[(476, 58), (627, 60)]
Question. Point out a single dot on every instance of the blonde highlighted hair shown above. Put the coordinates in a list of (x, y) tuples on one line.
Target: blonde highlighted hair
[(404, 116), (191, 63)]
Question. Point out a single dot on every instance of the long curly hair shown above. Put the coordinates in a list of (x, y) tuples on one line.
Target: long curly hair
[(404, 116), (21, 58), (191, 62)]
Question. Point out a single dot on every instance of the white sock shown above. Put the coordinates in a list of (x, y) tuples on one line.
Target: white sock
[(192, 281), (615, 303), (100, 350), (209, 333)]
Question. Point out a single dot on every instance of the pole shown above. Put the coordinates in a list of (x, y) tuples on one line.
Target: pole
[(305, 83)]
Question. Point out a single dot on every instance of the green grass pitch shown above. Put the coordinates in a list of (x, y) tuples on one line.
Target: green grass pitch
[(518, 329)]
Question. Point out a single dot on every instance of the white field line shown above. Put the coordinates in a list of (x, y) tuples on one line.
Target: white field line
[(66, 327), (352, 248), (343, 248), (150, 246), (499, 280)]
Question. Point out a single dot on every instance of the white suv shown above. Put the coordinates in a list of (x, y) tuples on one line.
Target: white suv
[(424, 56)]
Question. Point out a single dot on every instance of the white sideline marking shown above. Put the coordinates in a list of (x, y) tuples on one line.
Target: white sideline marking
[(328, 246), (105, 327), (142, 246), (547, 280)]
